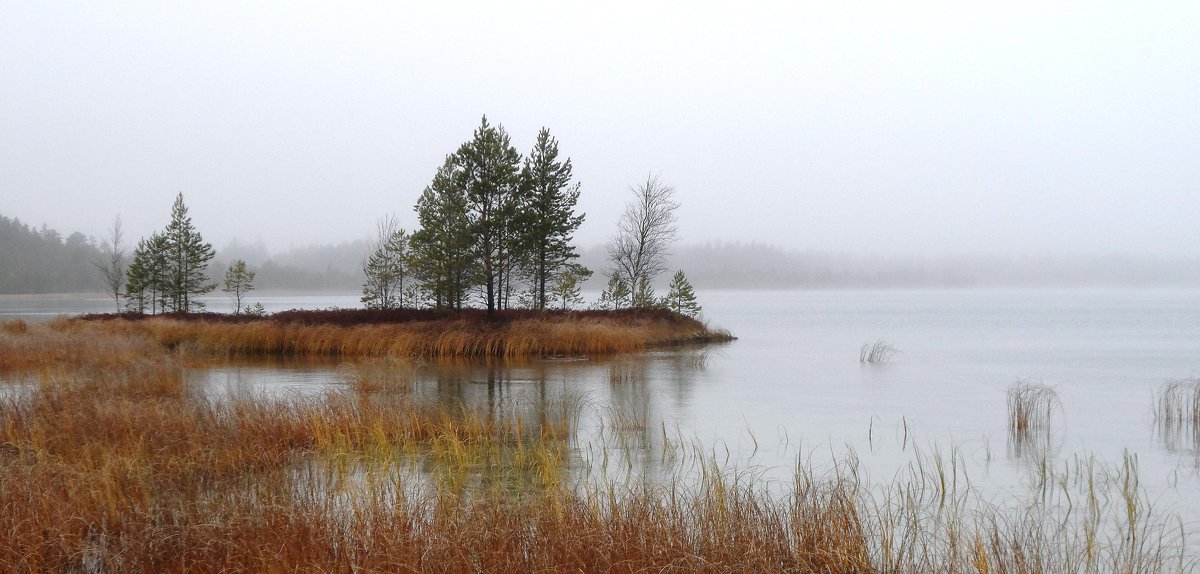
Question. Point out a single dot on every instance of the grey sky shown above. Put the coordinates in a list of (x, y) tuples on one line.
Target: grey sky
[(892, 127)]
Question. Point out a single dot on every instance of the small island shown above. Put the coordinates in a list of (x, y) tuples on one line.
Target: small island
[(419, 333)]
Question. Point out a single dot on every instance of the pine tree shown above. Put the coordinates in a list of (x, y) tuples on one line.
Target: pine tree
[(441, 250), (187, 260), (566, 286), (488, 168), (238, 281), (146, 281), (681, 297), (643, 296), (616, 295), (547, 215)]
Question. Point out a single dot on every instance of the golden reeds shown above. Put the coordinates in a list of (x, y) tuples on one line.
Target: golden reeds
[(548, 335), (118, 466), (1030, 408)]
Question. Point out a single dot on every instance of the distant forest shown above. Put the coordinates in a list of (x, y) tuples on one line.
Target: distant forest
[(41, 260), (34, 261)]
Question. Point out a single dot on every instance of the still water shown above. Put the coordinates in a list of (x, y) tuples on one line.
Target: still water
[(791, 388)]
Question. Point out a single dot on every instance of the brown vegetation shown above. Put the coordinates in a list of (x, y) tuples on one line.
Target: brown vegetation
[(109, 462), (416, 333)]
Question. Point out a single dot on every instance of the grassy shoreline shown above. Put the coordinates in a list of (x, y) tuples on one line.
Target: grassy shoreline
[(416, 333), (111, 462)]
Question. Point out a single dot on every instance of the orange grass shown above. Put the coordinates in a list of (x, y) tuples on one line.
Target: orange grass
[(119, 466), (561, 334)]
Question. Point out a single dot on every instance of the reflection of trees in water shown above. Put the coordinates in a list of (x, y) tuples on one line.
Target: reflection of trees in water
[(635, 424), (625, 402)]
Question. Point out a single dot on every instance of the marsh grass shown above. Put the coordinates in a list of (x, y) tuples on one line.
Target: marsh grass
[(117, 466), (1031, 407), (1176, 411), (349, 335), (878, 352)]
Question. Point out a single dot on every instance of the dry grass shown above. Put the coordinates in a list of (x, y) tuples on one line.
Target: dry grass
[(878, 352), (1177, 413), (1031, 408), (117, 466), (551, 334)]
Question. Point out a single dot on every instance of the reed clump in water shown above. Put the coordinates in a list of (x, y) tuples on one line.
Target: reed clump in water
[(419, 334), (1030, 408), (878, 352), (1177, 412)]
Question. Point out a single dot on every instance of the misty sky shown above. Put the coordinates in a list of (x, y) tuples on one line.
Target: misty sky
[(888, 127)]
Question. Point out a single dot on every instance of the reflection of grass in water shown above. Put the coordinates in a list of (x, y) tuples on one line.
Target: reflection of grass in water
[(1177, 413), (114, 467)]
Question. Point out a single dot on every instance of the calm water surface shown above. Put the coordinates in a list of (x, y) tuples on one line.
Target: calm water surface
[(791, 387)]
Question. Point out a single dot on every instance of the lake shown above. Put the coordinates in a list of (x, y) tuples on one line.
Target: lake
[(791, 388)]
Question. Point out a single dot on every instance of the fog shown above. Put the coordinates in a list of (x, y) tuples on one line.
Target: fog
[(879, 129)]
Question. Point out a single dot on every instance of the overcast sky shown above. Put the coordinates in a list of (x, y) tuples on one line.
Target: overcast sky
[(866, 127)]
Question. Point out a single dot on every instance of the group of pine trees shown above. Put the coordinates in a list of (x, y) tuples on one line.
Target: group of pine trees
[(492, 222), (169, 269), (499, 225)]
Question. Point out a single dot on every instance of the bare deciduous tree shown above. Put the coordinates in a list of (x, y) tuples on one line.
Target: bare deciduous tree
[(647, 229), (113, 268)]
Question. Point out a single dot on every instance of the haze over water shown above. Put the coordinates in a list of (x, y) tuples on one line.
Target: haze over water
[(860, 127)]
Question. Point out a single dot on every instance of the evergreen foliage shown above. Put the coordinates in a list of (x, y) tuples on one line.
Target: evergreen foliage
[(441, 250), (681, 297), (488, 171), (616, 295), (548, 214), (43, 261), (238, 281), (566, 286), (643, 295), (188, 256), (169, 270), (146, 277)]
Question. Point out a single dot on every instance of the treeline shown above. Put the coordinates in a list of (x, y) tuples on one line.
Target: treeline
[(37, 261), (43, 261), (753, 265)]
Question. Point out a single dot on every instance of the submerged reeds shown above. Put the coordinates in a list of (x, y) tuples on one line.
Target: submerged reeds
[(878, 352), (1031, 407), (1177, 413)]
